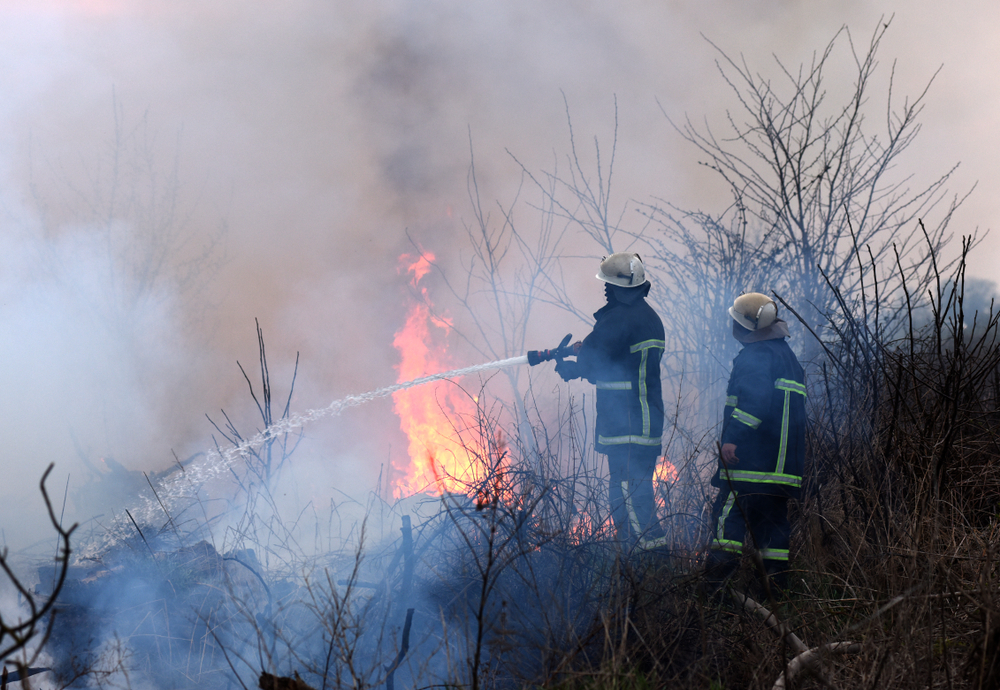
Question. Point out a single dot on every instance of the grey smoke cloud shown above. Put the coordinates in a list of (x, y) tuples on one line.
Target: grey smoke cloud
[(318, 133)]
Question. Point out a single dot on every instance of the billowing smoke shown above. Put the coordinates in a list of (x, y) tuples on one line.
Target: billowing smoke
[(316, 135), (170, 173)]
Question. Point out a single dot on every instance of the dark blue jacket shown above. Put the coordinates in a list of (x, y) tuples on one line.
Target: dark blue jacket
[(765, 418), (621, 356)]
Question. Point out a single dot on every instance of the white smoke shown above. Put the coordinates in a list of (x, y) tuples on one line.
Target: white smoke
[(318, 133)]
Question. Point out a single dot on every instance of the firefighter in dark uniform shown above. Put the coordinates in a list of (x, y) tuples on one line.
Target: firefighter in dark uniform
[(621, 357), (762, 445)]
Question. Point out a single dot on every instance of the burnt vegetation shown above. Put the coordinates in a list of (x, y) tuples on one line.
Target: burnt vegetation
[(516, 581)]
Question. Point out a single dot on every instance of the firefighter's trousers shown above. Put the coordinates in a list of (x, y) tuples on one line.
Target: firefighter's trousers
[(761, 518), (631, 494)]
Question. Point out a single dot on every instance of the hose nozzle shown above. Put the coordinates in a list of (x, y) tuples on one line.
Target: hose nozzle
[(563, 350)]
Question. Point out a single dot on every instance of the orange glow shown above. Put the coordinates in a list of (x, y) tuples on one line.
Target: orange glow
[(428, 414), (665, 471), (583, 528), (663, 480)]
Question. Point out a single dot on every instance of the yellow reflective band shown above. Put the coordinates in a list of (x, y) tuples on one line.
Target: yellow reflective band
[(643, 403), (632, 517), (789, 385), (731, 401), (783, 442), (614, 385), (631, 438), (761, 477), (727, 545), (647, 344), (748, 419), (774, 554), (720, 529)]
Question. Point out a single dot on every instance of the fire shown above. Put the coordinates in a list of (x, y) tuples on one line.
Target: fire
[(664, 478), (439, 461), (665, 472)]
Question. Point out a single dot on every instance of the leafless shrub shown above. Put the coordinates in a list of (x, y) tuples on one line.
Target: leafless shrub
[(24, 635)]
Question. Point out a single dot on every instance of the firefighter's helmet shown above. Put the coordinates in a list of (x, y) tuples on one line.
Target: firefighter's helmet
[(623, 269), (754, 311)]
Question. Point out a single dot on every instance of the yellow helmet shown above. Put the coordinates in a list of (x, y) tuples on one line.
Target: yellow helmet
[(623, 269), (754, 311)]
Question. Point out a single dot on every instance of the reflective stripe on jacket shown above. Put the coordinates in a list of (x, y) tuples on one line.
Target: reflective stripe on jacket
[(621, 356), (765, 419)]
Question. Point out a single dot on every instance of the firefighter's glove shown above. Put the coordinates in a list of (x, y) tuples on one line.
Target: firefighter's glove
[(569, 370)]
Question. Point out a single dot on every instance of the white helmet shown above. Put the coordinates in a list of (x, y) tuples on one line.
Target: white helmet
[(754, 311), (623, 269)]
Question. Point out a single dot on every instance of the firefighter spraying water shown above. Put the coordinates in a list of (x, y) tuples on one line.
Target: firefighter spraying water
[(621, 356), (218, 462)]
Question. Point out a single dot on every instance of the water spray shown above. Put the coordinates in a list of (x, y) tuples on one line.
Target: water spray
[(217, 462), (532, 358), (284, 426)]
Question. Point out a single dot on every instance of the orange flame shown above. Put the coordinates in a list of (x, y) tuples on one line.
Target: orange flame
[(664, 478), (665, 472), (438, 461)]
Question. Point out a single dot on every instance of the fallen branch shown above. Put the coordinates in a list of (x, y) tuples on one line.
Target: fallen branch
[(809, 660), (805, 658), (771, 620)]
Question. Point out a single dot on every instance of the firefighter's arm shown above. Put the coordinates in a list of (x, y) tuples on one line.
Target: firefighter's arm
[(598, 349), (753, 388)]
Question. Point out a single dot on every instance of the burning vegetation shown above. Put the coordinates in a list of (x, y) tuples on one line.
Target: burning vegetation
[(496, 565), (511, 576), (438, 460)]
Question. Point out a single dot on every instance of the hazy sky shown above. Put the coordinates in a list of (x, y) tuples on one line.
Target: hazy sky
[(307, 137)]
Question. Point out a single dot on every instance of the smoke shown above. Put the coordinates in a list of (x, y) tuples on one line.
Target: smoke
[(317, 134)]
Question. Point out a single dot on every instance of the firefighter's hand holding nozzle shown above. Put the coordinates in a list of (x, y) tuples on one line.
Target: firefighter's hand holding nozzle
[(564, 349), (729, 454), (568, 370)]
